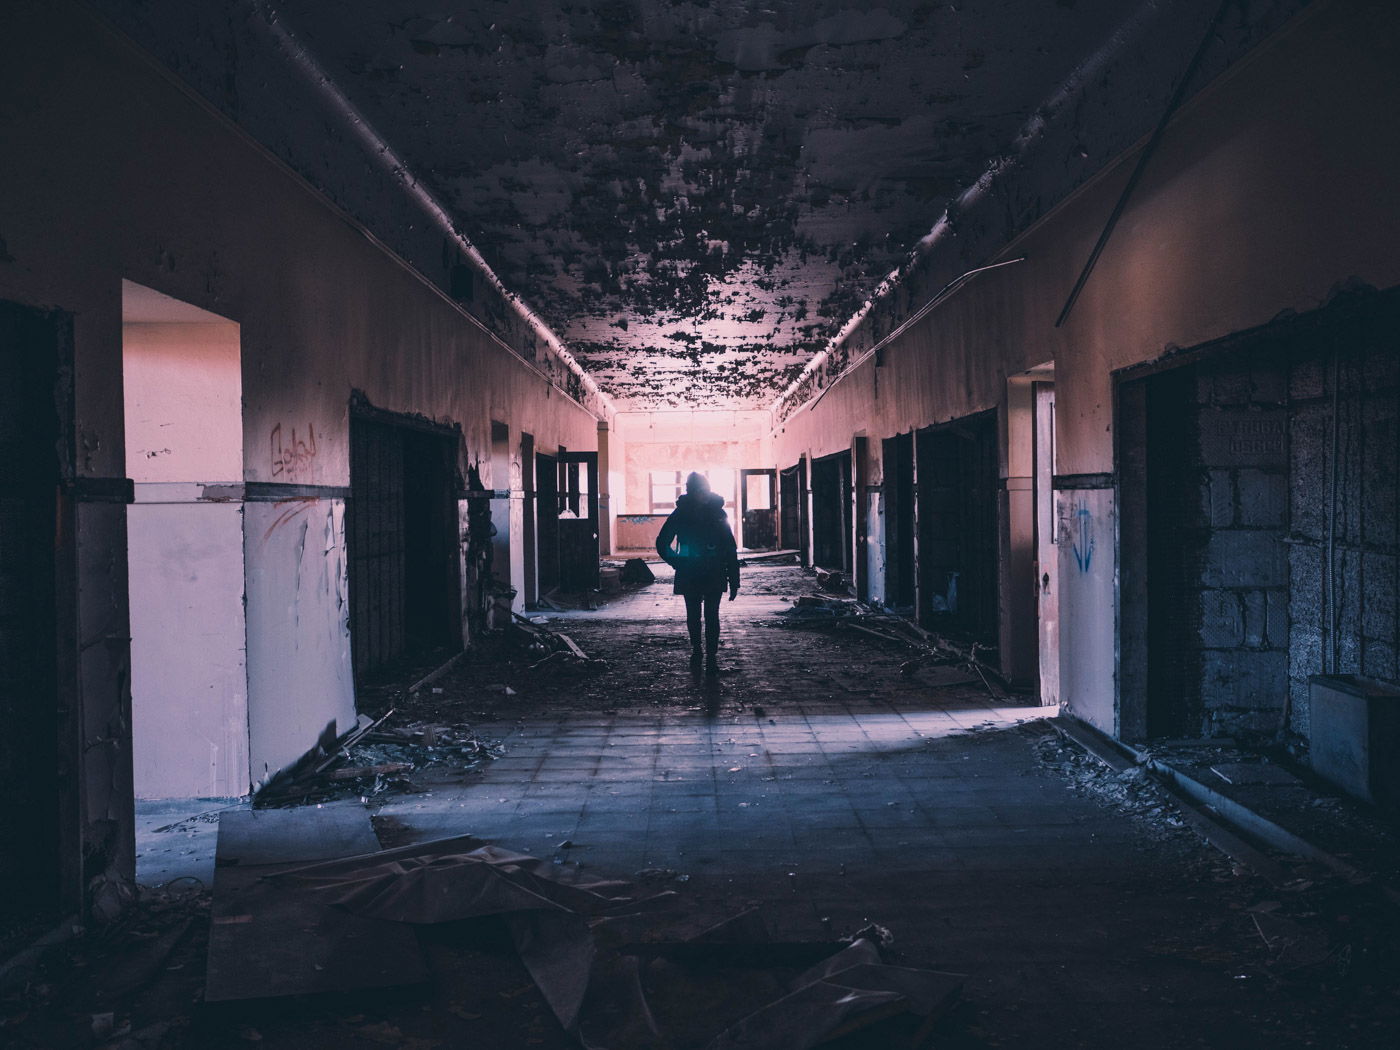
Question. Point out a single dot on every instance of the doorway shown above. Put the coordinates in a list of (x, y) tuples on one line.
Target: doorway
[(578, 521), (183, 405), (40, 800), (831, 512), (958, 537), (1047, 561), (401, 538), (898, 455), (547, 520), (758, 509)]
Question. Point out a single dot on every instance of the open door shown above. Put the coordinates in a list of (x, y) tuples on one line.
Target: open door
[(547, 520), (578, 521), (758, 509), (1046, 557), (899, 523)]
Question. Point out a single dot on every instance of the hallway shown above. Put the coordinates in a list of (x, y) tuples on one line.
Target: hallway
[(348, 343), (815, 781)]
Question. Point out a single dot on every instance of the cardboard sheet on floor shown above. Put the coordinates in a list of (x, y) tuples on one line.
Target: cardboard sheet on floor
[(268, 939), (544, 906), (845, 993)]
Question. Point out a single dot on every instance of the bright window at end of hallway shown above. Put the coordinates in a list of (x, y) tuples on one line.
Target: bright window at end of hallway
[(666, 486)]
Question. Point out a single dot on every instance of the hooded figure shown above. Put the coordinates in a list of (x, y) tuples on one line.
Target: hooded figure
[(697, 542)]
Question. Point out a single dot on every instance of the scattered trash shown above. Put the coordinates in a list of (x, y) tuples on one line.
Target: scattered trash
[(375, 757), (554, 647), (931, 650), (636, 571)]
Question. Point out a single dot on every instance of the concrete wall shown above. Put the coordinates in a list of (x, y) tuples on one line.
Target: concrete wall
[(114, 172), (1272, 187)]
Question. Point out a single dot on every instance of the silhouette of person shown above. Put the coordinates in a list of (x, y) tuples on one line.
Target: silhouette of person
[(706, 561)]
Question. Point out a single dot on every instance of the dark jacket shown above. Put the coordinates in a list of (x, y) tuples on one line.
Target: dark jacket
[(704, 554)]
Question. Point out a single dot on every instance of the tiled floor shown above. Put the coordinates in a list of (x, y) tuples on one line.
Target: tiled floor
[(819, 782), (813, 791)]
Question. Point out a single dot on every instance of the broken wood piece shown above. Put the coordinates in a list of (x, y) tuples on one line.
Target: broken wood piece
[(358, 772), (571, 645), (363, 728)]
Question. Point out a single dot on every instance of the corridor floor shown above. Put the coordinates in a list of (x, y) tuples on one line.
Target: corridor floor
[(815, 780)]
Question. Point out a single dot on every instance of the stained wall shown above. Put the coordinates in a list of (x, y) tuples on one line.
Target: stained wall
[(1271, 188), (114, 172)]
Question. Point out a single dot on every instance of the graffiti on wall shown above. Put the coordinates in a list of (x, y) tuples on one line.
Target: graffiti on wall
[(290, 452), (1083, 536)]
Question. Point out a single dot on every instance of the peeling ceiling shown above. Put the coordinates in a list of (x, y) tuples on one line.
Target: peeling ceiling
[(697, 196)]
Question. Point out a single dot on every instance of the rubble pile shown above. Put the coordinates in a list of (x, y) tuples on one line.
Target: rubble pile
[(1133, 791), (376, 757), (845, 614)]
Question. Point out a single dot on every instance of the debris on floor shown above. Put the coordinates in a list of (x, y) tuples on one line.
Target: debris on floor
[(376, 757), (1132, 791), (781, 557), (637, 571), (552, 647), (570, 931), (266, 941), (931, 650)]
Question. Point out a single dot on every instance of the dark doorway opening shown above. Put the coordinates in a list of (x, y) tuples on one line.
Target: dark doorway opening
[(957, 532), (531, 544), (401, 534), (547, 520), (898, 455), (1260, 523), (831, 511), (38, 796), (578, 521), (792, 500)]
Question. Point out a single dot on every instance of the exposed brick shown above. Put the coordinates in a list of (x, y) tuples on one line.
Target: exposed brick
[(1378, 660), (1378, 605), (1308, 444), (1254, 604), (1241, 679), (1220, 499), (1222, 626), (1306, 379), (1244, 559), (1379, 472), (1268, 380), (1300, 717), (1263, 498), (1276, 618), (1231, 386), (1305, 585)]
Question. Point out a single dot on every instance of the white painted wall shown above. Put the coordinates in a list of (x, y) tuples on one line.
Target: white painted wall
[(299, 679), (183, 399), (189, 680)]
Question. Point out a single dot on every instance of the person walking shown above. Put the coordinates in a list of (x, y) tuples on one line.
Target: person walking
[(697, 542)]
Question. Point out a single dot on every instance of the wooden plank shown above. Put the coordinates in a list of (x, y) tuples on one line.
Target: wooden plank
[(267, 941)]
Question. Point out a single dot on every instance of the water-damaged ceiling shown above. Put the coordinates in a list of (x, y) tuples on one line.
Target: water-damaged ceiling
[(697, 196)]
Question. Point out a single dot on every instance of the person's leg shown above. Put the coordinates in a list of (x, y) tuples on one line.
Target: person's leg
[(692, 624), (712, 633), (712, 623)]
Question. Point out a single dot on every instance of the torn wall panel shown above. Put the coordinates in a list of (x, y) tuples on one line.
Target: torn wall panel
[(299, 678)]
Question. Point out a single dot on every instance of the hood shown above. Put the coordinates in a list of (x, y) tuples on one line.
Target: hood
[(708, 501)]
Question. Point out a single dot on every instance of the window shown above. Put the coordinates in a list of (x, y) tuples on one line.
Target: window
[(666, 486)]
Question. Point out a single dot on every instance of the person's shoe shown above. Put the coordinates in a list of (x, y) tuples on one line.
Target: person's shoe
[(712, 664), (695, 659)]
